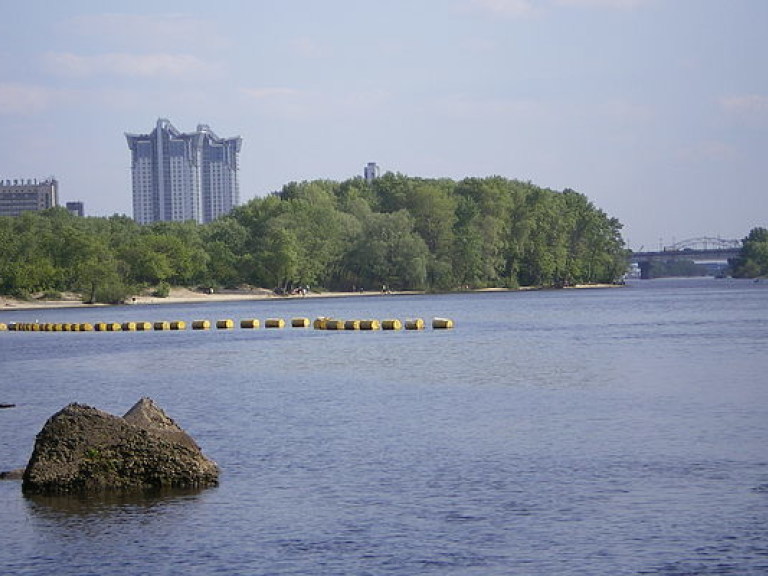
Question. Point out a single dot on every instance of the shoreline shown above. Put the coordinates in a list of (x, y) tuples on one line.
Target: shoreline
[(187, 296)]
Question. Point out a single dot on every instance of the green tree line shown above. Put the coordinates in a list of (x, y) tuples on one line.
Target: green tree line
[(398, 231), (753, 259)]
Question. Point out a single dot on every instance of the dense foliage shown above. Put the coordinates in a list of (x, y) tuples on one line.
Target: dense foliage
[(753, 259), (398, 231)]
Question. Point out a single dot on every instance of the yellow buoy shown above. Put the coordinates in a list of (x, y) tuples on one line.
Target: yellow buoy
[(414, 324), (352, 325), (201, 324), (442, 323), (143, 326), (162, 325), (393, 324), (370, 325), (319, 323), (128, 326), (251, 323), (113, 327), (86, 327), (274, 323), (333, 324), (3, 327), (178, 325), (225, 324), (299, 322)]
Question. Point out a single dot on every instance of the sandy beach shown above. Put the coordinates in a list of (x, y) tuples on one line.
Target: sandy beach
[(187, 296), (177, 296)]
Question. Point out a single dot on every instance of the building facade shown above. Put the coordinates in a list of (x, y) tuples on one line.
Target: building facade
[(371, 172), (76, 208), (183, 176), (17, 196)]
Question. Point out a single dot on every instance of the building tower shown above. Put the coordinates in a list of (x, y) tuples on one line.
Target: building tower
[(371, 172), (183, 176)]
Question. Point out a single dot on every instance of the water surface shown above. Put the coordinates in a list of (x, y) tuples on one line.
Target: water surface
[(620, 431)]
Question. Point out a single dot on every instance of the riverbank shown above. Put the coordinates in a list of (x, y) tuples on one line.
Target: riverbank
[(178, 296), (187, 296)]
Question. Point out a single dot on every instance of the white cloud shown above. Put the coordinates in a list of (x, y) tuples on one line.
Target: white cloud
[(25, 99), (148, 31), (122, 64), (272, 92), (508, 8), (748, 105), (620, 4)]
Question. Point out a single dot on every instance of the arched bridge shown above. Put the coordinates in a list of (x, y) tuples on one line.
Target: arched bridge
[(699, 250)]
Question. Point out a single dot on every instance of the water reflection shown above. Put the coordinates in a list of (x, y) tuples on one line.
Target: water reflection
[(79, 506)]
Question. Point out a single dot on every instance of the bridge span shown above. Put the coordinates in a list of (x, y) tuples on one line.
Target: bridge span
[(698, 250)]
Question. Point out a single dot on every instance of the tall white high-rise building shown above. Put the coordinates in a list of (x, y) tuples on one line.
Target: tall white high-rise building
[(183, 176)]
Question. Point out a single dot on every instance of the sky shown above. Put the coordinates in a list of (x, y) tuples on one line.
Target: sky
[(656, 110)]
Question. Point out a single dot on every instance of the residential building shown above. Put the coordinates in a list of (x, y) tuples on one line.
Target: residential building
[(183, 176), (17, 196)]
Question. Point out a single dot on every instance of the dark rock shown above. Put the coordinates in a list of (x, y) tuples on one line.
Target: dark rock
[(81, 450)]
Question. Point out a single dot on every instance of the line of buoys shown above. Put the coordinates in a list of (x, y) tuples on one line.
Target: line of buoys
[(320, 323)]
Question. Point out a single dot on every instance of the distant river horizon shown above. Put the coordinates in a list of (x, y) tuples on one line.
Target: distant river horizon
[(595, 431)]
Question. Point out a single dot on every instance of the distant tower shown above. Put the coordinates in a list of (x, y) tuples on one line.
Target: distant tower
[(183, 176), (371, 172)]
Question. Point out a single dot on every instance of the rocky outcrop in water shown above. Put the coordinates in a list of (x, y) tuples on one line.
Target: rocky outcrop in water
[(81, 449)]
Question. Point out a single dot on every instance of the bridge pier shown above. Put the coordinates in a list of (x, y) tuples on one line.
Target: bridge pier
[(645, 270)]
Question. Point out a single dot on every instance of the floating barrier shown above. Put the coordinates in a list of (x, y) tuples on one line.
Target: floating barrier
[(414, 324), (391, 324), (320, 323), (333, 324)]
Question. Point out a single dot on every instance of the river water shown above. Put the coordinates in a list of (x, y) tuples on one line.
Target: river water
[(613, 431)]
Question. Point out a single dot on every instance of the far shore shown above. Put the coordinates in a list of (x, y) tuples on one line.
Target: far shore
[(187, 296)]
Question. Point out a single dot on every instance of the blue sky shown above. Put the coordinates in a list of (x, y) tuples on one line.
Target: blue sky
[(657, 110)]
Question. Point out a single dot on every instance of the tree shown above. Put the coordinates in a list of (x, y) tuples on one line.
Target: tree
[(753, 258)]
